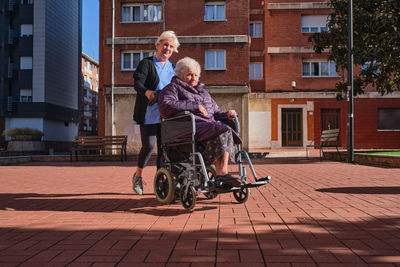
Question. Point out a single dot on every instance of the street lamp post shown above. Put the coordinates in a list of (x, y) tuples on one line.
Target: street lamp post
[(350, 89)]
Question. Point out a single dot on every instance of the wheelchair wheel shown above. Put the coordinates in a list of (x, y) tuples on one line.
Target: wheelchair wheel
[(189, 201), (164, 186), (242, 194)]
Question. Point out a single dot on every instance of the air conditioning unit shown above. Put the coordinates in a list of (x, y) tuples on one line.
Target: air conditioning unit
[(10, 104), (10, 5), (10, 70), (10, 36)]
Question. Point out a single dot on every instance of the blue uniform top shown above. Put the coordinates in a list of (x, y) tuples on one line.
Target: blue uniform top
[(165, 73)]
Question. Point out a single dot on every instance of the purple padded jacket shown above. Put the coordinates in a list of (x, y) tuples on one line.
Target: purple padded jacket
[(180, 96)]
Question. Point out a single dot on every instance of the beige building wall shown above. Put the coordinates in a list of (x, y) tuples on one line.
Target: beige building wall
[(259, 121), (124, 99)]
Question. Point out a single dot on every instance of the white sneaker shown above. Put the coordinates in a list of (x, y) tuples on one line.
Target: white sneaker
[(137, 185)]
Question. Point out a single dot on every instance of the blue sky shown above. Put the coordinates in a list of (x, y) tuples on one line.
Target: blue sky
[(90, 28)]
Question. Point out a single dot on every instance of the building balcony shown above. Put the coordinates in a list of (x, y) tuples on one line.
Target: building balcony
[(26, 14), (25, 78)]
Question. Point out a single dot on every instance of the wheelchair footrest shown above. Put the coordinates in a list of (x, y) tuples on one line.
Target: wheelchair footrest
[(267, 178), (256, 184)]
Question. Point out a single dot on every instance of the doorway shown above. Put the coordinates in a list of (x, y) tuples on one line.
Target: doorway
[(292, 127)]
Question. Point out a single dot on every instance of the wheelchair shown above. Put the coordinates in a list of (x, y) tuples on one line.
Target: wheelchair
[(184, 174)]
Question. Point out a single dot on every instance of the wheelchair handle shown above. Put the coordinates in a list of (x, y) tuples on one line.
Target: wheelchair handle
[(237, 125)]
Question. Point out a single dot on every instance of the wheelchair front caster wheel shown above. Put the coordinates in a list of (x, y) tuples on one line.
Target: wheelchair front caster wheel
[(188, 200), (164, 186), (242, 194)]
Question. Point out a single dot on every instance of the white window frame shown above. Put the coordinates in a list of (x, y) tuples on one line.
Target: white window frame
[(141, 52), (141, 13), (214, 4), (253, 66), (215, 59), (314, 23), (26, 30), (25, 95), (253, 26), (331, 69), (25, 63)]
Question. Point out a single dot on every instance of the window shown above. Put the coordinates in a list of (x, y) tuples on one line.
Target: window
[(215, 60), (27, 2), (330, 119), (88, 67), (255, 29), (371, 66), (141, 13), (314, 23), (389, 119), (25, 95), (319, 69), (214, 11), (130, 59), (25, 63), (26, 30), (255, 71)]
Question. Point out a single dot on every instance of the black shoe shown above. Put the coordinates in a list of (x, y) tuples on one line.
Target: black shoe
[(227, 180)]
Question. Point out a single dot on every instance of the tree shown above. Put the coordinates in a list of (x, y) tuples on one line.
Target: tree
[(376, 43)]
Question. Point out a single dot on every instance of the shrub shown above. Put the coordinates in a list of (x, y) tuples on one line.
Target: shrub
[(22, 131)]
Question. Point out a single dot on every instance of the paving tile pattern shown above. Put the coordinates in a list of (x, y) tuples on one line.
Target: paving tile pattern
[(311, 214)]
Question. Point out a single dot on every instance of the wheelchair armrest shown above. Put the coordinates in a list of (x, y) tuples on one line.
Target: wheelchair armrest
[(179, 115)]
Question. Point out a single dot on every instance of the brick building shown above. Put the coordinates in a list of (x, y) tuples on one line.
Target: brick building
[(214, 33), (255, 58), (89, 96), (298, 99)]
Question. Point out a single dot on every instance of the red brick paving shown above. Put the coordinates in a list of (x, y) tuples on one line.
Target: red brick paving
[(311, 214)]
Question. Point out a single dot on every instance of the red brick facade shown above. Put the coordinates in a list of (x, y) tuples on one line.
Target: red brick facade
[(366, 132), (187, 20)]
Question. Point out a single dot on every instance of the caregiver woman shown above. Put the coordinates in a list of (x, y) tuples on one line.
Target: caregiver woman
[(151, 75)]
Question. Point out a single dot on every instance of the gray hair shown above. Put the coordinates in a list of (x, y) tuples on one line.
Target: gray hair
[(184, 63), (169, 35)]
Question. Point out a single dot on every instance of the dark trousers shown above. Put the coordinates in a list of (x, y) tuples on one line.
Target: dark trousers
[(148, 134)]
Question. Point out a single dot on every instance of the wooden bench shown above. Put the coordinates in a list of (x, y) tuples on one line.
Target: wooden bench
[(99, 144), (329, 138)]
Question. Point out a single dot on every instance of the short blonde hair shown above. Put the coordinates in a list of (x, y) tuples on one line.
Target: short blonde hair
[(169, 35), (184, 63)]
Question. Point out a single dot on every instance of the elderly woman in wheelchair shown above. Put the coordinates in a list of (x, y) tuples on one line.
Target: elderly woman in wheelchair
[(196, 135)]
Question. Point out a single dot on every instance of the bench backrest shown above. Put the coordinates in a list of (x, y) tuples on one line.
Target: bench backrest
[(100, 140), (330, 135), (116, 140), (88, 140)]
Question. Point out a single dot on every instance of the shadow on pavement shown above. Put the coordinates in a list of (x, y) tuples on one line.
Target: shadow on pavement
[(94, 202), (363, 190), (306, 243)]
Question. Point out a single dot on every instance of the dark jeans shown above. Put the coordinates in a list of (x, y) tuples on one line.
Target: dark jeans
[(148, 134)]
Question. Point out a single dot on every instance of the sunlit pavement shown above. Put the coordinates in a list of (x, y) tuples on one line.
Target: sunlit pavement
[(311, 214)]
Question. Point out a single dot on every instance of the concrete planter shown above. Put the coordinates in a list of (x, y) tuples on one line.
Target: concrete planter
[(31, 143), (26, 138)]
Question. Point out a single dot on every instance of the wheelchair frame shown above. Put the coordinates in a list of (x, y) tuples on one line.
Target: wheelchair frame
[(193, 176)]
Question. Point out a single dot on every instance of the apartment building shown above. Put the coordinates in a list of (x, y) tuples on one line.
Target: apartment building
[(215, 33), (263, 66), (298, 100), (40, 54), (89, 96)]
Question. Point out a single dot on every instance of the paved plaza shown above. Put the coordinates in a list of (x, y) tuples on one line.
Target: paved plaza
[(311, 214)]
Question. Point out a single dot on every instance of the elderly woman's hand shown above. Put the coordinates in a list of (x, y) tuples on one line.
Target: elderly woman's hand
[(203, 110), (231, 114)]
